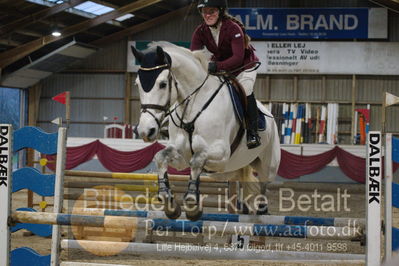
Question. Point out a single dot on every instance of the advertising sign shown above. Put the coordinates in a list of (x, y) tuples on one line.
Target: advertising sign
[(314, 23)]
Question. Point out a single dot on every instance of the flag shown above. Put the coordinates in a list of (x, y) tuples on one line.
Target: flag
[(57, 121), (366, 113), (61, 98), (322, 124), (105, 118), (390, 99)]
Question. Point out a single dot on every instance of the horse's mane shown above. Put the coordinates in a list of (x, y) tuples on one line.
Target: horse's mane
[(202, 56)]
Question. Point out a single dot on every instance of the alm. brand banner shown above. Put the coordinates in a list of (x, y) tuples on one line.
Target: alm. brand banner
[(314, 23)]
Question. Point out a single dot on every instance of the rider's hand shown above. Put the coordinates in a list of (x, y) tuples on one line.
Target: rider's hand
[(212, 67)]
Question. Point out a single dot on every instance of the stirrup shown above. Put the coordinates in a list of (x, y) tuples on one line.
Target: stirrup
[(253, 140)]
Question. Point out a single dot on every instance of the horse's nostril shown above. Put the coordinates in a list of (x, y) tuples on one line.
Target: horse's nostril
[(151, 132)]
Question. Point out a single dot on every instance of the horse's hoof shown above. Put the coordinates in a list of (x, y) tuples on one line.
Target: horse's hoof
[(194, 215), (192, 206), (262, 209), (172, 210)]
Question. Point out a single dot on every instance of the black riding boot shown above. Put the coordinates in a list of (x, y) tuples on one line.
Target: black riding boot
[(253, 139)]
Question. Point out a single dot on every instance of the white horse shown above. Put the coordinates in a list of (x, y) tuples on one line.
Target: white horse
[(173, 81)]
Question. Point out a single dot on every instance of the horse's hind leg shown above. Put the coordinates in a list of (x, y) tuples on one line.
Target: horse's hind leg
[(252, 195), (266, 165), (163, 158), (192, 202)]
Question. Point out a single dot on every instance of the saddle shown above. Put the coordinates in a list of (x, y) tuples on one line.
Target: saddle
[(239, 101)]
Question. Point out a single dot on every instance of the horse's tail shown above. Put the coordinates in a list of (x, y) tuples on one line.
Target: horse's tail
[(274, 152)]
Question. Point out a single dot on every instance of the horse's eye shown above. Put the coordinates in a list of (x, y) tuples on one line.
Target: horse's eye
[(162, 85)]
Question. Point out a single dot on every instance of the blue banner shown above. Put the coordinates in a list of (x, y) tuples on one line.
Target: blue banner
[(310, 23), (395, 149)]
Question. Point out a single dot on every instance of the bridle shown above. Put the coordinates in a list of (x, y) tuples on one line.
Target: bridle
[(163, 108), (186, 126)]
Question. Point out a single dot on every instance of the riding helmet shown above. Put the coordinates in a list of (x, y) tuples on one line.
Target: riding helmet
[(221, 4)]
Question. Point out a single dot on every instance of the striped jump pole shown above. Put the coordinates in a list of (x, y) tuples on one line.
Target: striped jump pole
[(239, 218), (199, 227), (205, 252), (76, 263), (128, 201), (135, 176), (153, 187)]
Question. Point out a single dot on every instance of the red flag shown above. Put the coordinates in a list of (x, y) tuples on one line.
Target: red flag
[(61, 98), (365, 112)]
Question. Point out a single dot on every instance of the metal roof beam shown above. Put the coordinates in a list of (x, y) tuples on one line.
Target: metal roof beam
[(165, 6), (390, 4), (78, 12), (29, 33), (11, 56), (105, 3), (9, 10), (9, 42), (22, 22), (141, 27), (142, 16)]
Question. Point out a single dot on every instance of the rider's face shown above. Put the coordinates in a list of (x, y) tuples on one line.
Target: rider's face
[(210, 15)]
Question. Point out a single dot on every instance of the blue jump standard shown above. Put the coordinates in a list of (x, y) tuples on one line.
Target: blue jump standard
[(30, 178), (35, 138), (27, 256)]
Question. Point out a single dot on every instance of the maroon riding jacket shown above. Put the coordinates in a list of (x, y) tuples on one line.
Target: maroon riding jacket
[(231, 53)]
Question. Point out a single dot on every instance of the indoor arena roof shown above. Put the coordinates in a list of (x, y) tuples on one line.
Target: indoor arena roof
[(26, 26)]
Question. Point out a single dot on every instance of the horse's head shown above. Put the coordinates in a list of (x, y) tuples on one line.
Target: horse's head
[(154, 81)]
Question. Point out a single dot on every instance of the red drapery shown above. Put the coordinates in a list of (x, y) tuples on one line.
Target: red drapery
[(111, 159), (291, 166)]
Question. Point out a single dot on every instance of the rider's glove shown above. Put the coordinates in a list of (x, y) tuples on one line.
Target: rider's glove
[(212, 67)]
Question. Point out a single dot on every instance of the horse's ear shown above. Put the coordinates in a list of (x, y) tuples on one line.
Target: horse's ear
[(160, 52), (161, 55), (139, 55)]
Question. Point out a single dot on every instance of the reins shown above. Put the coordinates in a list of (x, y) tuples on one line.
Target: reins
[(188, 97), (229, 73), (189, 127)]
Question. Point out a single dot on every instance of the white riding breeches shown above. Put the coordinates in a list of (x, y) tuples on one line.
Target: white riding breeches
[(247, 80)]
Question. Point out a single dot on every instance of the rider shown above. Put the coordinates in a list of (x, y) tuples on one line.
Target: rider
[(225, 38)]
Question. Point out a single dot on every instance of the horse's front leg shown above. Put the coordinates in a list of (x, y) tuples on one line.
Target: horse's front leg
[(192, 201), (163, 158)]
